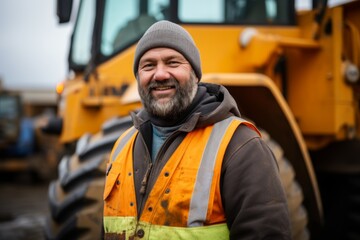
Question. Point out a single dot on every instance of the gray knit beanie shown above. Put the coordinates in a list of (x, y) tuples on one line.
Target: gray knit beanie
[(170, 35)]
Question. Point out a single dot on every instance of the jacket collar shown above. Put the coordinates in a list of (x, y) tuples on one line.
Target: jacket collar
[(142, 118), (211, 104)]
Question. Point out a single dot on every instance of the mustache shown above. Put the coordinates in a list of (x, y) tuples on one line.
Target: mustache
[(171, 82)]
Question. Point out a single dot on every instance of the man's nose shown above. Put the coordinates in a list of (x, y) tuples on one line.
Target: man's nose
[(161, 73)]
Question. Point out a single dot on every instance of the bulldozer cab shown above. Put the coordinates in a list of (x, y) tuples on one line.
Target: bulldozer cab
[(121, 24), (106, 32)]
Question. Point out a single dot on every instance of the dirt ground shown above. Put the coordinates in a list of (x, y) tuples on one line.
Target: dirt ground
[(23, 209)]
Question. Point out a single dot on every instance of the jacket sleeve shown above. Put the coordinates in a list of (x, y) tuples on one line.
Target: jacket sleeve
[(253, 198)]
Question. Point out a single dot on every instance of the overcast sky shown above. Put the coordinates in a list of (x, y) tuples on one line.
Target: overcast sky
[(33, 46)]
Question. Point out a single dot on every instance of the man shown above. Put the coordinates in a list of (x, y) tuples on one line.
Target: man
[(190, 168)]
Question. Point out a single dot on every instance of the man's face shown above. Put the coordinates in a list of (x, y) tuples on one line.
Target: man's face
[(167, 84)]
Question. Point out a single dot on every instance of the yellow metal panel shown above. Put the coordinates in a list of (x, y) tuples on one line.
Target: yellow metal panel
[(222, 51), (319, 97), (88, 105)]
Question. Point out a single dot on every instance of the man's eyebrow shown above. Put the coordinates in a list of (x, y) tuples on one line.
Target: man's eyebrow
[(171, 57), (147, 59), (176, 57)]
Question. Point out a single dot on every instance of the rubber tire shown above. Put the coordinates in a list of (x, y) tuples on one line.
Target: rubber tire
[(76, 197), (293, 191)]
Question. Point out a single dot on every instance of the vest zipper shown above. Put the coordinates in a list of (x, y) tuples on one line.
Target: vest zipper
[(150, 170), (149, 174)]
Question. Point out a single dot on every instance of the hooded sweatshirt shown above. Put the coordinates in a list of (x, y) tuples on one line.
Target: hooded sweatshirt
[(252, 195)]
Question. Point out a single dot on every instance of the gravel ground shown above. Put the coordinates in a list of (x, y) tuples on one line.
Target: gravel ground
[(23, 210)]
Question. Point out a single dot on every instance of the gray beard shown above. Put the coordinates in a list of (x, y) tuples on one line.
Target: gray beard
[(176, 106)]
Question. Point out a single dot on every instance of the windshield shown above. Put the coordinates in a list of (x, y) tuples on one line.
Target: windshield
[(125, 21), (257, 12), (82, 37)]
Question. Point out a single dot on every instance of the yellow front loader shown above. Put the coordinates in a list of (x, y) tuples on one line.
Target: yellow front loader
[(294, 73)]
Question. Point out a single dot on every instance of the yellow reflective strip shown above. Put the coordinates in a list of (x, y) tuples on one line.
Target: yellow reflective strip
[(212, 232), (127, 225), (119, 224)]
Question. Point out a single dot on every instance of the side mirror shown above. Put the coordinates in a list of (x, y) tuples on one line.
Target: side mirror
[(63, 10)]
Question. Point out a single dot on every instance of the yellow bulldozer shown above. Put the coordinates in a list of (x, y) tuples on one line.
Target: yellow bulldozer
[(293, 72)]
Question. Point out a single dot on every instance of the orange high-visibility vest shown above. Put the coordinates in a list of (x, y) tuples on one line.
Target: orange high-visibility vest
[(185, 201)]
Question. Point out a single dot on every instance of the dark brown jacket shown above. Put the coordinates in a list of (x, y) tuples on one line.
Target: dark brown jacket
[(253, 198)]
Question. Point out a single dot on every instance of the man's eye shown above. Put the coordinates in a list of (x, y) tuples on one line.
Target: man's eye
[(147, 66), (173, 63)]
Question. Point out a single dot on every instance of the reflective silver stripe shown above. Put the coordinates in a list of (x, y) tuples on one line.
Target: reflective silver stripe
[(200, 198), (122, 143)]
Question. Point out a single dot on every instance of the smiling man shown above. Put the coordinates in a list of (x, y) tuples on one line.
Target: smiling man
[(190, 167), (167, 84)]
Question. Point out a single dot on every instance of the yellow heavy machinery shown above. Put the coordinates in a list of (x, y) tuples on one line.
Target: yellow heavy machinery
[(294, 73)]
